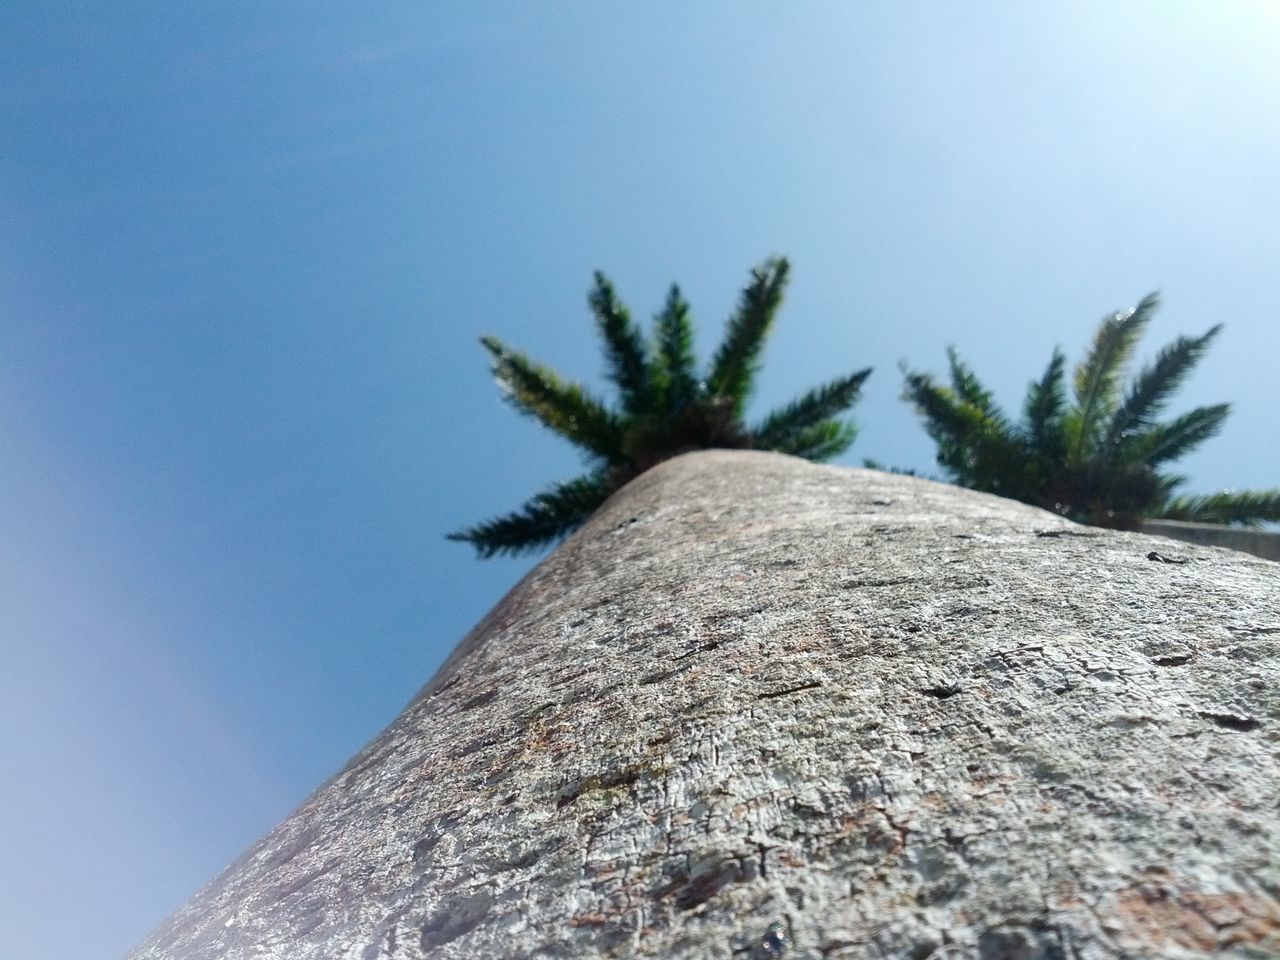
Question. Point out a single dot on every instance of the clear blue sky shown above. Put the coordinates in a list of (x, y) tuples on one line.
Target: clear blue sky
[(247, 250)]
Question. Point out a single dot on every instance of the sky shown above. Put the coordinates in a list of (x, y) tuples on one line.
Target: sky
[(247, 251)]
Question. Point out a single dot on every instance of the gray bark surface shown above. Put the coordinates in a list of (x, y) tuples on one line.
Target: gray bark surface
[(759, 708)]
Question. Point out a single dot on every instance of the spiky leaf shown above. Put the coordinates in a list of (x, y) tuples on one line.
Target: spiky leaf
[(1173, 440), (628, 364), (978, 450), (820, 441), (1097, 378), (1046, 400), (1246, 507), (821, 403), (1152, 388), (674, 369), (547, 518), (665, 409), (734, 367), (965, 384), (564, 407)]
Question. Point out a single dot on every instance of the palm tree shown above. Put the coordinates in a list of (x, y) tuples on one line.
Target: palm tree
[(664, 407), (762, 708), (1098, 458)]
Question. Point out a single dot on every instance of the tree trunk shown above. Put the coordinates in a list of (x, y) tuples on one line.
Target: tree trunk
[(759, 708)]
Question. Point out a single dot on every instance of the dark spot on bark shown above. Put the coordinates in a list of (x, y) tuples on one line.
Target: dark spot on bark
[(446, 685), (302, 841), (312, 916), (479, 700), (609, 780), (1230, 721), (762, 864), (455, 918), (811, 685), (701, 649), (857, 584), (942, 691), (518, 858), (1253, 631), (1161, 558), (735, 614), (661, 675), (962, 536), (705, 886), (806, 811), (774, 943), (1020, 943), (297, 883), (422, 849), (474, 746), (882, 503), (542, 708), (1171, 659)]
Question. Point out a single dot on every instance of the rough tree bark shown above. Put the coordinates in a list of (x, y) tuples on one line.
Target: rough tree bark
[(759, 708)]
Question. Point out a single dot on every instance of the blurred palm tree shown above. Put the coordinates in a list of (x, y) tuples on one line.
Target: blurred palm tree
[(1099, 457), (665, 408)]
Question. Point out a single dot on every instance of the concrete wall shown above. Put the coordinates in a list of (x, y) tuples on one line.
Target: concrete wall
[(1260, 543)]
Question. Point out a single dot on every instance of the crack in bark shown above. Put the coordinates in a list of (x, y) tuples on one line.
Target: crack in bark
[(1230, 721), (772, 694)]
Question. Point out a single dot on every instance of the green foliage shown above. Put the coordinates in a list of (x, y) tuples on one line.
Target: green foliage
[(734, 368), (1247, 507), (544, 518), (1094, 458), (664, 407)]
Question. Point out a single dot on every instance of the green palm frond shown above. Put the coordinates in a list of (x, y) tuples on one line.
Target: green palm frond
[(734, 367), (820, 441), (1173, 440), (1169, 482), (968, 389), (943, 419), (664, 409), (564, 407), (624, 347), (547, 518), (1246, 507), (1098, 459), (1046, 400), (822, 403), (965, 384), (1097, 378), (675, 368), (978, 450), (1152, 388)]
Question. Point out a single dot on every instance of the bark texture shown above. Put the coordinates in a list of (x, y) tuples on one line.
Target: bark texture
[(759, 708)]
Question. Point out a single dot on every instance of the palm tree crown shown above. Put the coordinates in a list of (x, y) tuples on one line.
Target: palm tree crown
[(1097, 458), (664, 407)]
